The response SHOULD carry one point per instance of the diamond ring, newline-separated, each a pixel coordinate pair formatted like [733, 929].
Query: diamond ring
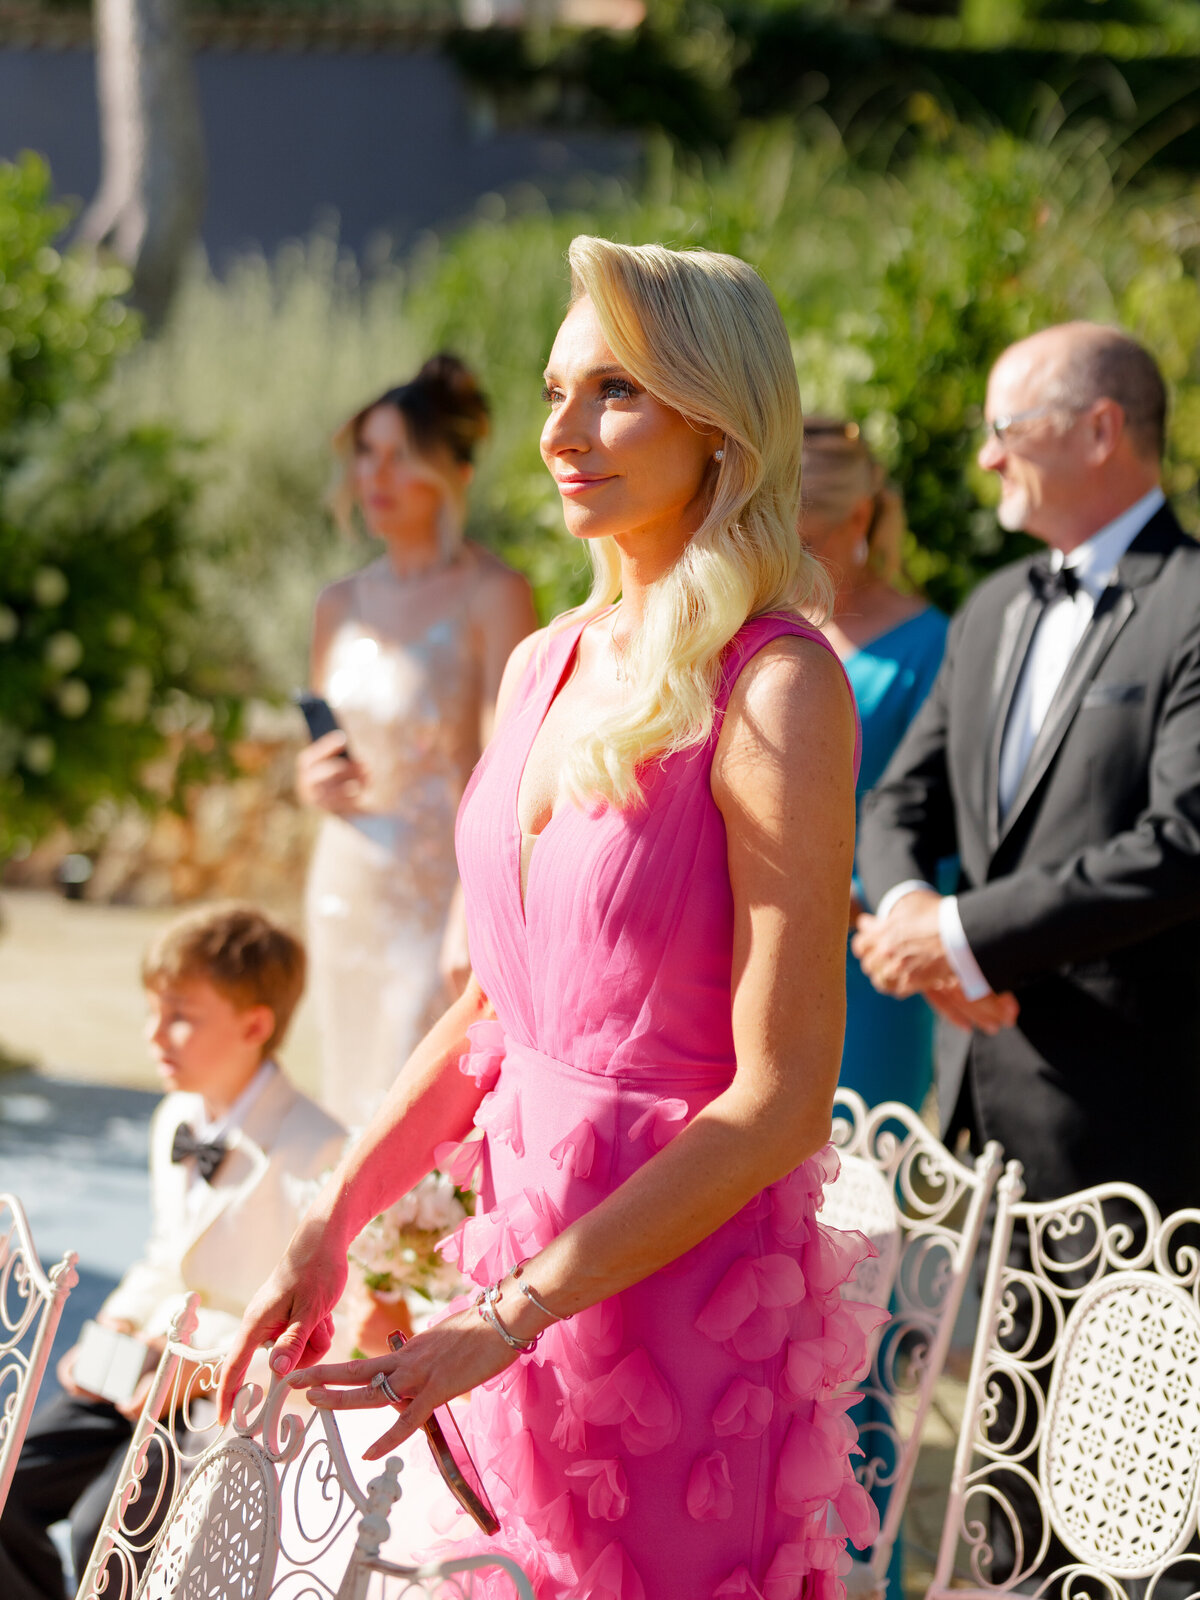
[382, 1382]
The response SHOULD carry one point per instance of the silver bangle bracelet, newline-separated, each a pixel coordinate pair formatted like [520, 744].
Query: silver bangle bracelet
[485, 1304]
[519, 1280]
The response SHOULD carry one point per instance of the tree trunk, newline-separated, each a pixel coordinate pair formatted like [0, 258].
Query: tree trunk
[151, 195]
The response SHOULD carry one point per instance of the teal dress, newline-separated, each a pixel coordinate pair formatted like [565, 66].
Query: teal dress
[888, 1053]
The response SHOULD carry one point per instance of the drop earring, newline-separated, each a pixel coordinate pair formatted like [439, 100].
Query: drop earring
[861, 551]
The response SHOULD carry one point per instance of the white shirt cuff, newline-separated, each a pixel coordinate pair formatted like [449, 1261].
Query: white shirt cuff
[909, 886]
[958, 952]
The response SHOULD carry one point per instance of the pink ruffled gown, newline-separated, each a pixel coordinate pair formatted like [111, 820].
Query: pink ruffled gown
[685, 1439]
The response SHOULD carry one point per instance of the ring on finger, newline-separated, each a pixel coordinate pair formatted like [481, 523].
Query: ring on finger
[383, 1383]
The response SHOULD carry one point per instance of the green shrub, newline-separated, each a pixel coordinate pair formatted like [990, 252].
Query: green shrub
[95, 603]
[900, 288]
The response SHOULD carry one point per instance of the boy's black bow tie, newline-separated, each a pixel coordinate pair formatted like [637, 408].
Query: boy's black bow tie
[1048, 585]
[208, 1156]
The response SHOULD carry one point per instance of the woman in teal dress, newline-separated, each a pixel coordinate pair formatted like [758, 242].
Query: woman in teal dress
[891, 645]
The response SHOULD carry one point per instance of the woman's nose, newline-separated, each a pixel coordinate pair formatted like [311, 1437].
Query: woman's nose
[565, 429]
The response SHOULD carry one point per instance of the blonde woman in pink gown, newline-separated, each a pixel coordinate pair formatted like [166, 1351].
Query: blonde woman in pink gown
[656, 852]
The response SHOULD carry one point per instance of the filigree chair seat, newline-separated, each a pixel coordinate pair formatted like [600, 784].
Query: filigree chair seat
[31, 1305]
[1078, 1466]
[1121, 1462]
[222, 1538]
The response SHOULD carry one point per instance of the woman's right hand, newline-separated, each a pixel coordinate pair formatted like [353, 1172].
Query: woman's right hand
[328, 778]
[293, 1311]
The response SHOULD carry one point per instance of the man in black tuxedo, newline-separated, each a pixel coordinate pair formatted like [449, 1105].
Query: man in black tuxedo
[1058, 756]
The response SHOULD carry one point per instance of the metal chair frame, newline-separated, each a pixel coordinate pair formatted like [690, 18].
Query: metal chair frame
[1083, 1405]
[231, 1506]
[31, 1307]
[939, 1210]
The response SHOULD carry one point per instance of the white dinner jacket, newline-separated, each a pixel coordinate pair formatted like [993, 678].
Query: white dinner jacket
[228, 1248]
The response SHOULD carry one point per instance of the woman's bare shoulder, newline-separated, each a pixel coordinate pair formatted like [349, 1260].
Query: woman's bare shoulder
[790, 700]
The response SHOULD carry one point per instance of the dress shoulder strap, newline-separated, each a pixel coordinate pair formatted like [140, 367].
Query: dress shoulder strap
[759, 632]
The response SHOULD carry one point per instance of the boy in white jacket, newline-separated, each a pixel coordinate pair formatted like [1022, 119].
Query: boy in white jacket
[234, 1148]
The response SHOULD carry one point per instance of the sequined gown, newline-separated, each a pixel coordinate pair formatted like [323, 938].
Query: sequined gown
[403, 676]
[684, 1439]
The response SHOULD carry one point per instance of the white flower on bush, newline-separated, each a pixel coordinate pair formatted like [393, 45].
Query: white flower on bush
[10, 624]
[74, 697]
[64, 651]
[38, 753]
[49, 586]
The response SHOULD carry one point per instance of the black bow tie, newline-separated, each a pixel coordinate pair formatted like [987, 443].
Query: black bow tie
[208, 1156]
[1048, 585]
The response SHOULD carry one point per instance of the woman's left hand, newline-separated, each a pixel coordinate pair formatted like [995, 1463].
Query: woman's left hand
[434, 1366]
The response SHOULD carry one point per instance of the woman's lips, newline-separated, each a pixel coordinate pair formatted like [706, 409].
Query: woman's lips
[581, 485]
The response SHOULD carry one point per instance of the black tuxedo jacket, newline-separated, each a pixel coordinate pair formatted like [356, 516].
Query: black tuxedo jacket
[1085, 901]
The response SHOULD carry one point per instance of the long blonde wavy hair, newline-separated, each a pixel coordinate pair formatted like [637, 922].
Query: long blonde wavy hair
[701, 332]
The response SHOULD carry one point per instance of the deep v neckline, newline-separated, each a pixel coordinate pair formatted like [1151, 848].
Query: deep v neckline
[524, 866]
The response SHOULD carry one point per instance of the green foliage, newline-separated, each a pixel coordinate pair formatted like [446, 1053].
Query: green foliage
[899, 288]
[94, 597]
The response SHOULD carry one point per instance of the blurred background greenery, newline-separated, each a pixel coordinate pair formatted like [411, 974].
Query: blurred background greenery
[920, 186]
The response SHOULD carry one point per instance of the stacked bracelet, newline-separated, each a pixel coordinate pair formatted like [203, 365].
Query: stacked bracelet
[533, 1299]
[485, 1304]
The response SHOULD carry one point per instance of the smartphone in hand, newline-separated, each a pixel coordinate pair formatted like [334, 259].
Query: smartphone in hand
[318, 714]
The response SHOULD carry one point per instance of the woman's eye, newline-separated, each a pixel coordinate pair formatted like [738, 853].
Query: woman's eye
[618, 389]
[551, 396]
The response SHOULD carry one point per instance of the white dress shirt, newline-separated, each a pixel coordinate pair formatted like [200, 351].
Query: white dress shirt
[230, 1122]
[1059, 631]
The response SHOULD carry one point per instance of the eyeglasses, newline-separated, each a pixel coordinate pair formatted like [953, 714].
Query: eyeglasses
[999, 427]
[458, 1470]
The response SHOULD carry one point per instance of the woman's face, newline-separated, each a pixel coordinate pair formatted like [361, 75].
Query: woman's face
[401, 492]
[626, 465]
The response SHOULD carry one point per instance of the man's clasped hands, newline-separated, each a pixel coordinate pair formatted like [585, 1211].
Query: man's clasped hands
[903, 954]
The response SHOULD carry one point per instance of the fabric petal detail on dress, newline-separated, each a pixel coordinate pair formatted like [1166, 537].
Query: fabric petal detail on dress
[575, 1151]
[486, 1055]
[459, 1159]
[744, 1410]
[490, 1243]
[597, 1332]
[859, 1514]
[660, 1124]
[634, 1397]
[710, 1489]
[832, 1255]
[612, 1576]
[811, 1469]
[570, 1431]
[748, 1308]
[499, 1115]
[805, 1570]
[739, 1585]
[608, 1492]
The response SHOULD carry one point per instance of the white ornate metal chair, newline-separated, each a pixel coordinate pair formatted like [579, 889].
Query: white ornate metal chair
[1078, 1467]
[263, 1510]
[31, 1305]
[924, 1212]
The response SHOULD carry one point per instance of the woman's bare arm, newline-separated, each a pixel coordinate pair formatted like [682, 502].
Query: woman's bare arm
[783, 779]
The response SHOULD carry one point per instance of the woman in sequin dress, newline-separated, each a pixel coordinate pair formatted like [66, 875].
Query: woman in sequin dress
[409, 653]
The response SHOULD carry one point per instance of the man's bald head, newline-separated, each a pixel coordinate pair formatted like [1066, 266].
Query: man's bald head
[1078, 363]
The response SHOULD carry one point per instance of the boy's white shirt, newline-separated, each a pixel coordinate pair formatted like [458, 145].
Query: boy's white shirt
[225, 1245]
[222, 1127]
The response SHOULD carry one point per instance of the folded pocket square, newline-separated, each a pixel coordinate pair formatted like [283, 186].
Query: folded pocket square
[1114, 694]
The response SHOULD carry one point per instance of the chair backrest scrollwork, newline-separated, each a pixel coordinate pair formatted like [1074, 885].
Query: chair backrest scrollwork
[900, 1173]
[1078, 1466]
[31, 1306]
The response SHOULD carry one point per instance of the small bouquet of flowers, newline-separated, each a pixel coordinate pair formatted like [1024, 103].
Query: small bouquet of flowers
[397, 1250]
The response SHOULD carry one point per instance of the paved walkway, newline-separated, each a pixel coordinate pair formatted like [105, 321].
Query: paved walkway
[75, 1154]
